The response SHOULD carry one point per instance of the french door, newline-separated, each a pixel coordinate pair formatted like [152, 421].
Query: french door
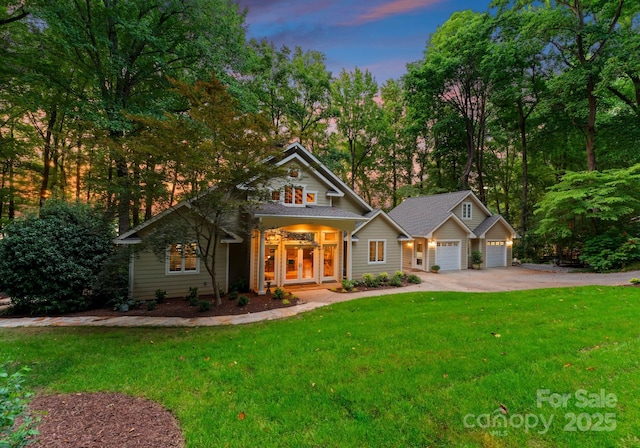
[299, 264]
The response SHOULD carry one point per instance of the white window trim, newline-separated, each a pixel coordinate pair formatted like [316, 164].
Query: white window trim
[167, 265]
[384, 250]
[315, 195]
[464, 207]
[304, 196]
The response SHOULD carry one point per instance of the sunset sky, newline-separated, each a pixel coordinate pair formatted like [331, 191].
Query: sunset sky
[379, 35]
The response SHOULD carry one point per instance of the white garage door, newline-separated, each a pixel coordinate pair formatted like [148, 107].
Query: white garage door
[496, 254]
[448, 255]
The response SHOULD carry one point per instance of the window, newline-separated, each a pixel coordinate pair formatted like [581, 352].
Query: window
[311, 197]
[182, 258]
[466, 210]
[275, 196]
[419, 254]
[377, 251]
[293, 195]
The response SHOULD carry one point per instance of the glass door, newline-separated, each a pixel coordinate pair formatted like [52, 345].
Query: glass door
[300, 264]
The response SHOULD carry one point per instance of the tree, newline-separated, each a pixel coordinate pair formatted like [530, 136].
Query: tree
[125, 50]
[452, 73]
[357, 117]
[580, 33]
[50, 263]
[222, 157]
[588, 204]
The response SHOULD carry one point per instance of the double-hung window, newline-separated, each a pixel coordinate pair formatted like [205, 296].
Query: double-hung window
[377, 249]
[183, 258]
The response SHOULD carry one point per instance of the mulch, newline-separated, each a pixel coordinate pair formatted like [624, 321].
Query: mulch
[179, 307]
[104, 420]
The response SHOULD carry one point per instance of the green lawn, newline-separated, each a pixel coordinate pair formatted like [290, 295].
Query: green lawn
[415, 369]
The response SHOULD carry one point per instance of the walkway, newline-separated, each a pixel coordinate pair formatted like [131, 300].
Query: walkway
[488, 280]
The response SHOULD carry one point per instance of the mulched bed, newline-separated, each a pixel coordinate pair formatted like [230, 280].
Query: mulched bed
[179, 307]
[104, 420]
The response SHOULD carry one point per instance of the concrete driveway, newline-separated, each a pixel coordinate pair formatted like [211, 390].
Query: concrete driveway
[486, 280]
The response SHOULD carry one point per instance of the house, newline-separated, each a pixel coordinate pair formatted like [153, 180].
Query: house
[314, 229]
[447, 228]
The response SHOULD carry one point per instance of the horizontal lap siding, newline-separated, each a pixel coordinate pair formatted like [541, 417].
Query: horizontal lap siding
[477, 215]
[379, 229]
[150, 275]
[452, 231]
[407, 258]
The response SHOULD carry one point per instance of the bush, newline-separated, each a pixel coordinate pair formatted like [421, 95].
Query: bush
[193, 297]
[278, 293]
[476, 257]
[370, 281]
[161, 295]
[152, 305]
[13, 405]
[399, 274]
[233, 295]
[634, 281]
[435, 268]
[240, 285]
[396, 281]
[347, 284]
[414, 279]
[51, 263]
[605, 252]
[383, 277]
[204, 305]
[243, 301]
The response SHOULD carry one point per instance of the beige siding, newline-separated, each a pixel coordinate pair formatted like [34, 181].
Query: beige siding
[150, 274]
[477, 214]
[308, 179]
[347, 203]
[450, 230]
[378, 229]
[407, 257]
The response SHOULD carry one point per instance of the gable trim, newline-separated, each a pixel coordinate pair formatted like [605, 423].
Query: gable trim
[458, 221]
[501, 219]
[295, 156]
[404, 235]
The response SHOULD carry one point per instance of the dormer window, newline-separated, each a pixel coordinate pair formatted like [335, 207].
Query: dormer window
[467, 210]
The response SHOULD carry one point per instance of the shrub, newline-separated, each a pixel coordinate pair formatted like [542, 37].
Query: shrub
[193, 297]
[634, 281]
[161, 295]
[476, 257]
[152, 305]
[278, 294]
[435, 268]
[204, 305]
[347, 284]
[240, 285]
[233, 295]
[370, 281]
[13, 405]
[413, 278]
[51, 263]
[604, 252]
[383, 277]
[285, 301]
[396, 281]
[243, 300]
[399, 274]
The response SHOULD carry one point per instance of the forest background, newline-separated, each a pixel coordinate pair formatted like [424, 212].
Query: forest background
[533, 105]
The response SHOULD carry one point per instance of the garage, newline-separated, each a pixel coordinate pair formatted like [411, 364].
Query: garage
[496, 254]
[448, 255]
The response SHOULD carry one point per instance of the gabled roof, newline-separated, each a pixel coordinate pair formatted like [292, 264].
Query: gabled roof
[424, 214]
[491, 221]
[403, 235]
[324, 172]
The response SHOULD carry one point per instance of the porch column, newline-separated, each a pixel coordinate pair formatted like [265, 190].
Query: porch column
[261, 290]
[349, 255]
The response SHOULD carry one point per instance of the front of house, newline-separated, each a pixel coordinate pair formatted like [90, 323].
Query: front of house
[313, 230]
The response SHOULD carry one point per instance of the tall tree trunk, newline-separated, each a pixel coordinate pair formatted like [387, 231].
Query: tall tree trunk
[524, 210]
[46, 157]
[591, 125]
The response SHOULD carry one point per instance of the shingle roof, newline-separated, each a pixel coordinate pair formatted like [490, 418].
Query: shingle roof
[423, 214]
[274, 209]
[486, 224]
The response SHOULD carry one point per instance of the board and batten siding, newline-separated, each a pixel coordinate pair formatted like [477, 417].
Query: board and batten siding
[150, 274]
[451, 231]
[378, 229]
